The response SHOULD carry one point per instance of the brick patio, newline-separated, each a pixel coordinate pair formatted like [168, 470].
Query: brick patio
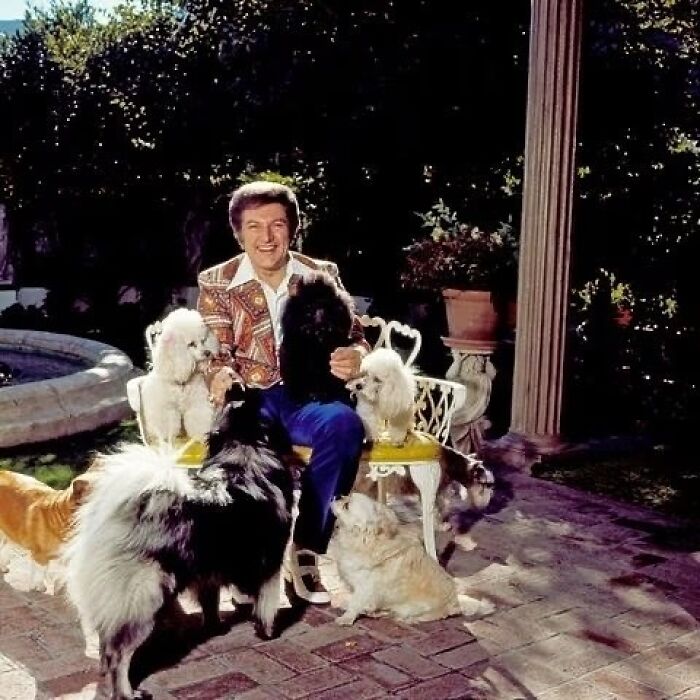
[593, 600]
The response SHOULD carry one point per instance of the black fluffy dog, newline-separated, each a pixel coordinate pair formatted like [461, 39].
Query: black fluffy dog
[316, 320]
[151, 529]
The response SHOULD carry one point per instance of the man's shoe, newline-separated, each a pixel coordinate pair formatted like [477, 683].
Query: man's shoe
[301, 569]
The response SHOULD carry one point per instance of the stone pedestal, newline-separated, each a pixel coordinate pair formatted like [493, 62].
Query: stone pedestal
[476, 372]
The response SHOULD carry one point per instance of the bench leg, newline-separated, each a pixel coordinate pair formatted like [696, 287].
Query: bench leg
[427, 478]
[381, 490]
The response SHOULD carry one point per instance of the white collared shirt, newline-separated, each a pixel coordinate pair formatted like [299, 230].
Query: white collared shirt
[275, 298]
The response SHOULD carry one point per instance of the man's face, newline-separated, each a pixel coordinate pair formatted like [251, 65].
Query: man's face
[265, 236]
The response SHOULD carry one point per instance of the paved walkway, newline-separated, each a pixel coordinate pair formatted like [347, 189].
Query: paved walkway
[593, 600]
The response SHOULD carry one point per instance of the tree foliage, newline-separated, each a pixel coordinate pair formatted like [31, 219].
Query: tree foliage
[124, 134]
[638, 213]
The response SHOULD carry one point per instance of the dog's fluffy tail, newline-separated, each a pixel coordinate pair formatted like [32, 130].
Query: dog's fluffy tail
[101, 546]
[473, 607]
[123, 477]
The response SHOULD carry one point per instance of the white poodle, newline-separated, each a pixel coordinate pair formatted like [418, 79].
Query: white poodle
[387, 569]
[385, 391]
[173, 395]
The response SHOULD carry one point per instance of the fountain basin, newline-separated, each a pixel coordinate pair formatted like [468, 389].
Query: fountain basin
[85, 399]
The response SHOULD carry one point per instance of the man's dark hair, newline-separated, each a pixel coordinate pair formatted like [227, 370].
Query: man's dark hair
[259, 193]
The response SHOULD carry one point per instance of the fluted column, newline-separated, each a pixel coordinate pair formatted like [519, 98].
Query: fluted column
[543, 283]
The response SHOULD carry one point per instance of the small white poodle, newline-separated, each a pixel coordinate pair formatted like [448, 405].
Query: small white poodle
[174, 395]
[387, 569]
[385, 391]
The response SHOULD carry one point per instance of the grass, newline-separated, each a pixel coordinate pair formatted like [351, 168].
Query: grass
[57, 462]
[664, 479]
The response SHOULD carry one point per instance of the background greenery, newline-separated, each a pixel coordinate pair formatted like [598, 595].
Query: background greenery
[661, 478]
[123, 136]
[57, 462]
[665, 479]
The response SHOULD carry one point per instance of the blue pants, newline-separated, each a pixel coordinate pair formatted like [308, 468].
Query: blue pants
[334, 432]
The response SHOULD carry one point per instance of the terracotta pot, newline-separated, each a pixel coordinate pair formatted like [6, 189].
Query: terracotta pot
[472, 320]
[623, 317]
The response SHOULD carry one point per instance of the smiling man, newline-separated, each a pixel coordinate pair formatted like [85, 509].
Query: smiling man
[242, 301]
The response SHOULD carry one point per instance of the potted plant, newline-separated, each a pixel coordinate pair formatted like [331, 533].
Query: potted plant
[473, 269]
[609, 296]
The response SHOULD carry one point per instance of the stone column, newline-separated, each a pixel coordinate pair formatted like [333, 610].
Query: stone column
[543, 284]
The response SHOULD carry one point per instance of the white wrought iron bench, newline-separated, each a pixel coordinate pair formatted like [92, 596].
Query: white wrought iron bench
[418, 457]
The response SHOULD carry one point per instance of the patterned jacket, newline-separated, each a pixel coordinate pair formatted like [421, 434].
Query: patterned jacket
[240, 318]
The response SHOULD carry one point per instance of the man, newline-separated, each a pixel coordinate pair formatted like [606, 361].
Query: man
[242, 301]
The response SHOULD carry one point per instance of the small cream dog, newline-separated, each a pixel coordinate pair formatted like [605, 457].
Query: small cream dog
[37, 518]
[173, 395]
[385, 391]
[388, 570]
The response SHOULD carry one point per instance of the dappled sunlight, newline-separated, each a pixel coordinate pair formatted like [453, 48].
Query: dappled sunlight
[17, 679]
[591, 598]
[583, 595]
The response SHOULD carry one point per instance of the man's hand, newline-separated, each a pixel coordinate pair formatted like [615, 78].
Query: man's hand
[221, 382]
[345, 362]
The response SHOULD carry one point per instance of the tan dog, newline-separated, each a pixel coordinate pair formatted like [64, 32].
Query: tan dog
[37, 518]
[388, 570]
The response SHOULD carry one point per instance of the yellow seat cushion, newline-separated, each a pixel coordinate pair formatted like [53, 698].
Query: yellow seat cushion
[194, 455]
[418, 447]
[302, 452]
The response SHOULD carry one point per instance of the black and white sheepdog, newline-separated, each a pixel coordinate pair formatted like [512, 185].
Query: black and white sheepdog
[151, 529]
[316, 320]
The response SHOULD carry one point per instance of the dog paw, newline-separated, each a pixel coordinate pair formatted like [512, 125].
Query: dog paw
[265, 632]
[214, 626]
[345, 620]
[141, 695]
[222, 381]
[474, 608]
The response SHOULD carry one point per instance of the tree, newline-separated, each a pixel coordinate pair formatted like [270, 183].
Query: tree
[125, 134]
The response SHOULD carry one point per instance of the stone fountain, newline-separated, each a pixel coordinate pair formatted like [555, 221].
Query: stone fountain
[80, 385]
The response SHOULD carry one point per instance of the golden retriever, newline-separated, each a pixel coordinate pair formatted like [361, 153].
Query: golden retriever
[37, 518]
